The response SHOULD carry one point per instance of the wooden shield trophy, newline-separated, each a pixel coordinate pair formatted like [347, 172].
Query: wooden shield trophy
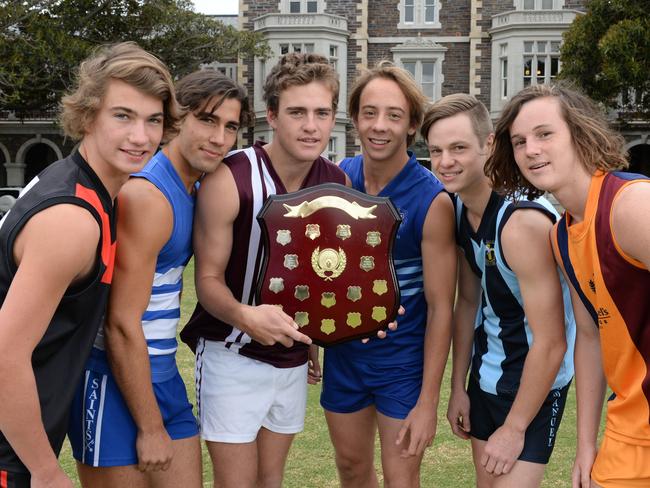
[328, 261]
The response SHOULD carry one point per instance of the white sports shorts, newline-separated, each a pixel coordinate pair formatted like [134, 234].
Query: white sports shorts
[236, 395]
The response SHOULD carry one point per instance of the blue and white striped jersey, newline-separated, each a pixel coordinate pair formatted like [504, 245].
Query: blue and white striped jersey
[160, 320]
[502, 336]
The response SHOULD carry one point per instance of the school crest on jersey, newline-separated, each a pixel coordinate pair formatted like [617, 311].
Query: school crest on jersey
[340, 251]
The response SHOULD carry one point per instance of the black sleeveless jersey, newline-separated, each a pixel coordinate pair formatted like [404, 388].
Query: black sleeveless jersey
[59, 357]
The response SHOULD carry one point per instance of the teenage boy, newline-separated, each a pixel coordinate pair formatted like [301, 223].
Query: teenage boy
[510, 309]
[132, 381]
[251, 365]
[393, 385]
[58, 245]
[552, 138]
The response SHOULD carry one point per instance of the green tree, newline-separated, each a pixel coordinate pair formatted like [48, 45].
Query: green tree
[606, 52]
[42, 41]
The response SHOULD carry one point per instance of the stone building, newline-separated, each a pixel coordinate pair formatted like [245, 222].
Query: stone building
[489, 48]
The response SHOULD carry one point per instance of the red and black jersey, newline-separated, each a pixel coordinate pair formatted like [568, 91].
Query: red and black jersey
[59, 357]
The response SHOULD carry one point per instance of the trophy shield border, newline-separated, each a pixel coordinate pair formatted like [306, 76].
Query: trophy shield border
[351, 195]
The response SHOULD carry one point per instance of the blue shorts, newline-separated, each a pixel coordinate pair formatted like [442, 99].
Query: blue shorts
[488, 412]
[102, 431]
[350, 386]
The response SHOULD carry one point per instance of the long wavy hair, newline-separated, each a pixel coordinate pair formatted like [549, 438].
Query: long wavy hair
[597, 145]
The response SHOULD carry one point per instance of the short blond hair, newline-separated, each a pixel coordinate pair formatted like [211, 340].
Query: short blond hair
[459, 103]
[125, 61]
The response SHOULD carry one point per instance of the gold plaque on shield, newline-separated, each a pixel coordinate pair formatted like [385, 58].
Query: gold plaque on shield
[328, 299]
[379, 287]
[379, 313]
[283, 237]
[328, 263]
[367, 263]
[291, 261]
[301, 292]
[276, 285]
[354, 293]
[312, 231]
[354, 319]
[327, 326]
[373, 238]
[301, 319]
[343, 231]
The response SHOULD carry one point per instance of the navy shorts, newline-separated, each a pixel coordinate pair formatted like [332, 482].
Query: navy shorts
[488, 412]
[102, 431]
[350, 386]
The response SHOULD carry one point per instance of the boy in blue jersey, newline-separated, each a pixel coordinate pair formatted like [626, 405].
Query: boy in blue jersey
[393, 385]
[131, 410]
[521, 366]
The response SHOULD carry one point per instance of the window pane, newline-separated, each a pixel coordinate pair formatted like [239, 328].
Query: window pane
[527, 70]
[504, 68]
[309, 48]
[429, 10]
[555, 66]
[528, 47]
[427, 72]
[541, 70]
[547, 4]
[284, 48]
[297, 48]
[410, 67]
[334, 51]
[427, 89]
[503, 49]
[541, 47]
[312, 7]
[294, 7]
[529, 4]
[555, 47]
[408, 14]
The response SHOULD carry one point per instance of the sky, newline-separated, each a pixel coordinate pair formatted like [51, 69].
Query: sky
[216, 7]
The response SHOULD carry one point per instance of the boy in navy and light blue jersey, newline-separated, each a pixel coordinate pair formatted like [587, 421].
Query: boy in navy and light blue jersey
[513, 307]
[132, 407]
[393, 385]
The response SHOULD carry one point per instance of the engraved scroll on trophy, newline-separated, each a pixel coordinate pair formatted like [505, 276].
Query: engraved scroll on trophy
[328, 261]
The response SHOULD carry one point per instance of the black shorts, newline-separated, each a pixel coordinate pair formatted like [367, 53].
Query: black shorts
[14, 480]
[488, 412]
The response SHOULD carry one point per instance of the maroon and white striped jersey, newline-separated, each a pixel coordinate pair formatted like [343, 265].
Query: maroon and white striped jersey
[256, 180]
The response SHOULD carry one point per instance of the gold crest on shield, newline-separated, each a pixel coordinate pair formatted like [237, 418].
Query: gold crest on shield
[354, 319]
[301, 292]
[328, 299]
[379, 287]
[373, 238]
[283, 237]
[276, 285]
[327, 326]
[343, 231]
[312, 231]
[354, 293]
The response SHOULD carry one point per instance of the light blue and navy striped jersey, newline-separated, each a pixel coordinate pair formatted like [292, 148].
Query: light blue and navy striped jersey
[160, 320]
[502, 335]
[411, 191]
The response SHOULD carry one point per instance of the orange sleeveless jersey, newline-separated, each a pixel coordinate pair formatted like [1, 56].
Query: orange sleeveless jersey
[615, 289]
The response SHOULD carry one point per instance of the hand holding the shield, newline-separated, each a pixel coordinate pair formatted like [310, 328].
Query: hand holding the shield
[269, 325]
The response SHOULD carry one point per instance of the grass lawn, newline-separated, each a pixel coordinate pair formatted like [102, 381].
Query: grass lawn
[447, 464]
